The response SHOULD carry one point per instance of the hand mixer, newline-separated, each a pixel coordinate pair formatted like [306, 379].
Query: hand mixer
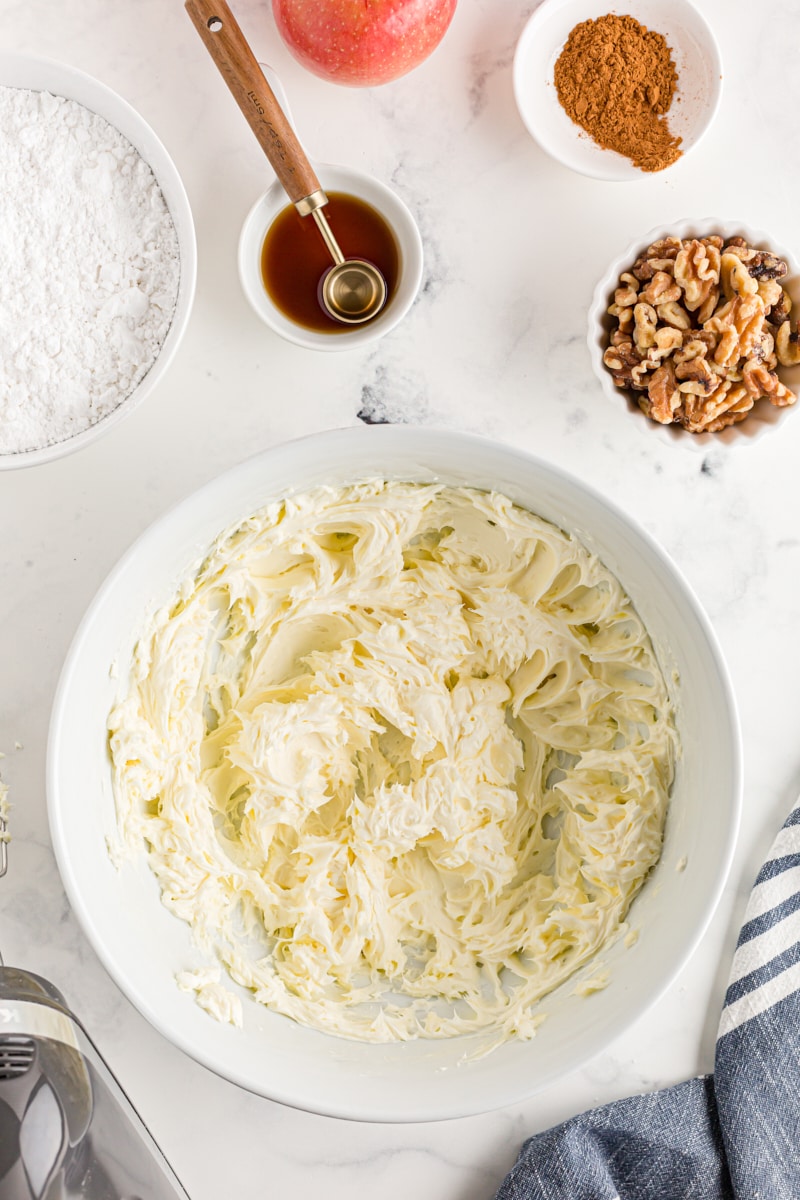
[67, 1129]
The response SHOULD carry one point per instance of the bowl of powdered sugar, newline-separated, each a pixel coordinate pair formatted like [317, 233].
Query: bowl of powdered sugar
[97, 259]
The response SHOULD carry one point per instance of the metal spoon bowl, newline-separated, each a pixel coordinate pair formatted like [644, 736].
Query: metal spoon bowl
[354, 290]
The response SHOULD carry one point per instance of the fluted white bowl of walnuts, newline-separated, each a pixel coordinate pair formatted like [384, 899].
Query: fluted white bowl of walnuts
[693, 333]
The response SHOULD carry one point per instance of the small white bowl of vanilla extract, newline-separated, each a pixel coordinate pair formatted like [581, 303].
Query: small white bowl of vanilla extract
[282, 258]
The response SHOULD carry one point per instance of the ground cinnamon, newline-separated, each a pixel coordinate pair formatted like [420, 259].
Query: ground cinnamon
[616, 79]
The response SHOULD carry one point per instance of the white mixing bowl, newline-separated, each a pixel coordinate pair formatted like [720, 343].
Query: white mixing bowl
[142, 945]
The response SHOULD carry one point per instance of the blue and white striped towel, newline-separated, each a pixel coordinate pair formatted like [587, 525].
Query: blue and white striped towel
[733, 1135]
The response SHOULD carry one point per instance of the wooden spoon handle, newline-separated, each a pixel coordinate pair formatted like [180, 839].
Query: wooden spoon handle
[237, 64]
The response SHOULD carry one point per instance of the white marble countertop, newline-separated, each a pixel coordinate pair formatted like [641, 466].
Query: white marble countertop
[509, 361]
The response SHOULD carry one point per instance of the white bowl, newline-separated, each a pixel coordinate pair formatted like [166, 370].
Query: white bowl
[764, 416]
[142, 945]
[409, 243]
[697, 60]
[47, 75]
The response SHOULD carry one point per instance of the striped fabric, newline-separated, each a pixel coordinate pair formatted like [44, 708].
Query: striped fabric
[731, 1136]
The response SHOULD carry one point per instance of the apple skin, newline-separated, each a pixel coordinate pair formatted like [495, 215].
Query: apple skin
[362, 43]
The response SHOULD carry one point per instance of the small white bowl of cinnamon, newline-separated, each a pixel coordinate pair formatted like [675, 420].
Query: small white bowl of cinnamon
[621, 95]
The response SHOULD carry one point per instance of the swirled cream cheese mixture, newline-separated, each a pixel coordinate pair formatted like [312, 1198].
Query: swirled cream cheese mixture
[400, 754]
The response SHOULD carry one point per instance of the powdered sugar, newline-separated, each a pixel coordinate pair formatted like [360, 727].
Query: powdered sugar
[89, 269]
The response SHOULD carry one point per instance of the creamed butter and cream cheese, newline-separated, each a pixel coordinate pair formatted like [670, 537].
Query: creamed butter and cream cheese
[400, 754]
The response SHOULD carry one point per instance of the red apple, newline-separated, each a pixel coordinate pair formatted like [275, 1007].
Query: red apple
[362, 42]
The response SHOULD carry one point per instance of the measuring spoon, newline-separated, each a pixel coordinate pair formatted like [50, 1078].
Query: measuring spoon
[353, 290]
